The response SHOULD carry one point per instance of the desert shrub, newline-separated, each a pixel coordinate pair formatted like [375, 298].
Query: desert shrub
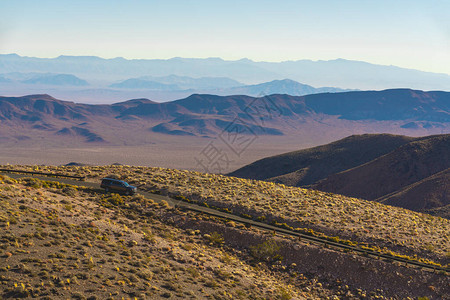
[164, 204]
[17, 292]
[261, 218]
[215, 238]
[211, 283]
[32, 182]
[146, 274]
[194, 273]
[181, 197]
[78, 295]
[246, 216]
[115, 199]
[69, 191]
[138, 198]
[268, 251]
[285, 294]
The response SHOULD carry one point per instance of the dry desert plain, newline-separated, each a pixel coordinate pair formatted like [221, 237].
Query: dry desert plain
[179, 152]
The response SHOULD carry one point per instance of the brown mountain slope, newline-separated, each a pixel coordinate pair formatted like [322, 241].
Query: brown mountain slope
[435, 189]
[269, 115]
[307, 166]
[392, 172]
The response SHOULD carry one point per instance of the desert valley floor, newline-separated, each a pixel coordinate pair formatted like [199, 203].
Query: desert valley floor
[180, 152]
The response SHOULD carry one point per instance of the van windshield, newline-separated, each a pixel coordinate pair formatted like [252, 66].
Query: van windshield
[125, 183]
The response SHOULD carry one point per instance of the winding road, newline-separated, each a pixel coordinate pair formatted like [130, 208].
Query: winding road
[213, 212]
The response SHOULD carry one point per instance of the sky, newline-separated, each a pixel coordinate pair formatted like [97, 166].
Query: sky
[411, 34]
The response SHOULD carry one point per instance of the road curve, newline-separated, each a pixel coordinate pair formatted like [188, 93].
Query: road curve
[235, 218]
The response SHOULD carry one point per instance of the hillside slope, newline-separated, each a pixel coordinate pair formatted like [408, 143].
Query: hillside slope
[425, 195]
[304, 167]
[392, 172]
[63, 241]
[362, 221]
[396, 170]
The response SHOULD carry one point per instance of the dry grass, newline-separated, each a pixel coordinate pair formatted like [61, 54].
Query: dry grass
[363, 221]
[60, 242]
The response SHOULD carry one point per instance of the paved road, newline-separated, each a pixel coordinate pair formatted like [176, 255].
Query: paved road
[260, 225]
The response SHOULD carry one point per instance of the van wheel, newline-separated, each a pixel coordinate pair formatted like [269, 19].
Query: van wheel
[127, 193]
[107, 190]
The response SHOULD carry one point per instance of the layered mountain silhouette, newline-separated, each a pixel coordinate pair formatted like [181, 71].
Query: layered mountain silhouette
[397, 170]
[160, 87]
[137, 83]
[398, 104]
[222, 86]
[56, 79]
[285, 86]
[339, 72]
[175, 82]
[209, 115]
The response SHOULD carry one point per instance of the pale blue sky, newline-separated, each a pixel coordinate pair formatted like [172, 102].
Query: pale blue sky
[412, 34]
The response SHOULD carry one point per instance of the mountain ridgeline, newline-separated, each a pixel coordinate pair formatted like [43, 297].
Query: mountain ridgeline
[222, 86]
[402, 171]
[209, 115]
[351, 74]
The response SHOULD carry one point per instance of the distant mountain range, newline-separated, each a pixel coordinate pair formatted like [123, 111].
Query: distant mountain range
[177, 83]
[44, 79]
[211, 115]
[168, 86]
[286, 86]
[337, 73]
[222, 86]
[141, 84]
[57, 79]
[397, 170]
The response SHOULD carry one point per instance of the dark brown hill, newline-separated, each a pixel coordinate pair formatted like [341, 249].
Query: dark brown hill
[414, 176]
[304, 167]
[435, 190]
[273, 115]
[394, 104]
[320, 117]
[406, 165]
[402, 171]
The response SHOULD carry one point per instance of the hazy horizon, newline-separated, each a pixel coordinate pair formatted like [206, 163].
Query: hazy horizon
[408, 34]
[220, 58]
